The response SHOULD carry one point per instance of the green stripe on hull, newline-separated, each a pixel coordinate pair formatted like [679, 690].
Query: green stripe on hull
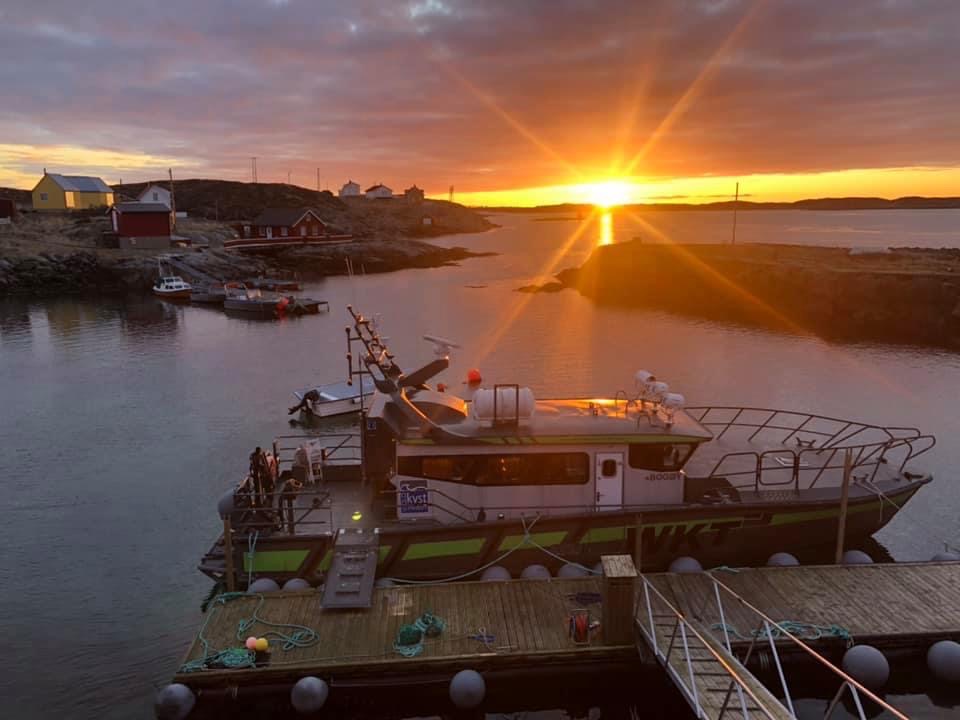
[384, 551]
[546, 539]
[443, 548]
[274, 560]
[809, 515]
[607, 534]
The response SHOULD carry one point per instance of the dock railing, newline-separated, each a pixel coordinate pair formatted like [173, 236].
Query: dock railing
[819, 444]
[773, 633]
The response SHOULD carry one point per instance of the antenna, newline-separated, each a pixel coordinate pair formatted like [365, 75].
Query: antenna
[451, 193]
[318, 179]
[253, 168]
[288, 177]
[736, 201]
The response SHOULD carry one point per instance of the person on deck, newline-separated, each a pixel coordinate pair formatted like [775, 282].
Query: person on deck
[289, 487]
[309, 397]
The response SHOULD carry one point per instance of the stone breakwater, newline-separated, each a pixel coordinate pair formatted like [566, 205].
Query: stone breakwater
[900, 295]
[105, 271]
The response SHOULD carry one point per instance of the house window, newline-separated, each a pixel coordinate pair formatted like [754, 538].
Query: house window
[303, 231]
[43, 197]
[501, 470]
[261, 232]
[246, 231]
[283, 231]
[156, 196]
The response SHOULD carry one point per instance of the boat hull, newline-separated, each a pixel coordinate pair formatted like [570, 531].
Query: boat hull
[172, 294]
[726, 534]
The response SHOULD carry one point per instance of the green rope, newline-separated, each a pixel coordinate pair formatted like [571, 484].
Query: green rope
[409, 642]
[800, 630]
[234, 658]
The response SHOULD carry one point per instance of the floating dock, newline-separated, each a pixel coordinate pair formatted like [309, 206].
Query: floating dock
[699, 628]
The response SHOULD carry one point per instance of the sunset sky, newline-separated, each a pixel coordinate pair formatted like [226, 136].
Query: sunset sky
[515, 102]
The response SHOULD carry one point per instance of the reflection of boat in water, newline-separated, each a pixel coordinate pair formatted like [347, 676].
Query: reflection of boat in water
[172, 287]
[498, 477]
[212, 293]
[240, 298]
[332, 399]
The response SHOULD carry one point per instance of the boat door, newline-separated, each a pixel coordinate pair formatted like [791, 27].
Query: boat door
[609, 477]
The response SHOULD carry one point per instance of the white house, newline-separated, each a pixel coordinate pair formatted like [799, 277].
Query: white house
[379, 192]
[350, 189]
[155, 194]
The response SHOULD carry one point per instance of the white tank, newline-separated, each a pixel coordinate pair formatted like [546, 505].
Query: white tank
[506, 400]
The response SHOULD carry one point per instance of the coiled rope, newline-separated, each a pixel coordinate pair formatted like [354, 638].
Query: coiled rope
[800, 630]
[239, 657]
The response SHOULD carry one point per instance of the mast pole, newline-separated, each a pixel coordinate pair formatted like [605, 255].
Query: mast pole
[736, 202]
[173, 202]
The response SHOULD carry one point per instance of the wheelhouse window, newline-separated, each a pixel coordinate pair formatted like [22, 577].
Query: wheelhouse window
[664, 457]
[500, 470]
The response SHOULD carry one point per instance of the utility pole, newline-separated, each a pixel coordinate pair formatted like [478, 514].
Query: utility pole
[736, 201]
[318, 179]
[173, 202]
[451, 193]
[288, 177]
[253, 168]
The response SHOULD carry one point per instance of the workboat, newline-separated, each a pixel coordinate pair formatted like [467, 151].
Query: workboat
[172, 287]
[340, 398]
[445, 485]
[241, 298]
[211, 293]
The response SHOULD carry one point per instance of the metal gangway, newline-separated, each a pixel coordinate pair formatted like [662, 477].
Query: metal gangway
[713, 680]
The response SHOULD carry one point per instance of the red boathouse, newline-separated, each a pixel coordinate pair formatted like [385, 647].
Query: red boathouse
[141, 225]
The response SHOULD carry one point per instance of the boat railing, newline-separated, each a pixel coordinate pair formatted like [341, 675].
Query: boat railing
[335, 447]
[819, 448]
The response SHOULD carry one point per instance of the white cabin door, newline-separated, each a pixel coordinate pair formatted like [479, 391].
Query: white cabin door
[609, 476]
[269, 232]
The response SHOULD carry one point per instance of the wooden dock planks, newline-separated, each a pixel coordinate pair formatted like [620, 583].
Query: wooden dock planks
[890, 605]
[527, 619]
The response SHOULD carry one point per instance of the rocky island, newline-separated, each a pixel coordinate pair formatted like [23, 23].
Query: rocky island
[897, 295]
[52, 253]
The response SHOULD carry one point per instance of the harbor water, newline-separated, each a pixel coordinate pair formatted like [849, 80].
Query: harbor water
[124, 419]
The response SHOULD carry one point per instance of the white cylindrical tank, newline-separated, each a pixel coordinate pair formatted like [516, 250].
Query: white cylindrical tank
[506, 402]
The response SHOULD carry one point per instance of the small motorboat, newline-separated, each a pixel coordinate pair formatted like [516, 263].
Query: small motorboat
[340, 398]
[240, 298]
[273, 284]
[211, 293]
[172, 287]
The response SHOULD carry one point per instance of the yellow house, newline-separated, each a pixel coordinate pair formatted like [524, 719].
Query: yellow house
[71, 192]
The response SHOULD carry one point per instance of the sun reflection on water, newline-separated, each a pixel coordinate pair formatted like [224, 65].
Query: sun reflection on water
[606, 229]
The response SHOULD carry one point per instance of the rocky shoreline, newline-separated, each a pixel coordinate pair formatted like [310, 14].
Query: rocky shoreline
[901, 295]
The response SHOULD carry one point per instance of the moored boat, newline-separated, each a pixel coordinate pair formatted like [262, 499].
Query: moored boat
[172, 287]
[449, 485]
[240, 298]
[332, 399]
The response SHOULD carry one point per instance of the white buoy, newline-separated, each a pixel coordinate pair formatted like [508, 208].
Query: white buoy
[945, 556]
[535, 572]
[309, 695]
[384, 583]
[943, 660]
[856, 557]
[572, 570]
[686, 564]
[174, 702]
[867, 665]
[225, 505]
[782, 559]
[296, 584]
[263, 585]
[467, 689]
[495, 573]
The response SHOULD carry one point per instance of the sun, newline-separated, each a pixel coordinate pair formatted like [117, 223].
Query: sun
[608, 193]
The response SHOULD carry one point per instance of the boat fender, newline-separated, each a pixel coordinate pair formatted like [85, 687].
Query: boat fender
[467, 689]
[495, 573]
[943, 659]
[226, 504]
[263, 585]
[535, 572]
[296, 584]
[867, 665]
[856, 557]
[174, 702]
[309, 695]
[572, 570]
[782, 559]
[686, 564]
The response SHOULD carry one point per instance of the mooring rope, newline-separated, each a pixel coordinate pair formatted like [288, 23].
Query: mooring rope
[801, 630]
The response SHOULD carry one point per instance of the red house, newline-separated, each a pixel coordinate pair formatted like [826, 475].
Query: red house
[141, 225]
[8, 209]
[284, 227]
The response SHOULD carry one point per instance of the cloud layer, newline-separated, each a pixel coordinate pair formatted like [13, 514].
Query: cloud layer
[484, 95]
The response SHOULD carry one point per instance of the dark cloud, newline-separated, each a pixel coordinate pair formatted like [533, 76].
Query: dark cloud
[487, 94]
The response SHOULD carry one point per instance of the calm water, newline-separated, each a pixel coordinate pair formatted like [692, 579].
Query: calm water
[123, 421]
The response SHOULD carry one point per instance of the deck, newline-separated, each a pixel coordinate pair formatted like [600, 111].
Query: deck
[901, 605]
[527, 620]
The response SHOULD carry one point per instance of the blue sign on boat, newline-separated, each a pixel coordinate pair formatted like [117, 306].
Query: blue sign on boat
[413, 499]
